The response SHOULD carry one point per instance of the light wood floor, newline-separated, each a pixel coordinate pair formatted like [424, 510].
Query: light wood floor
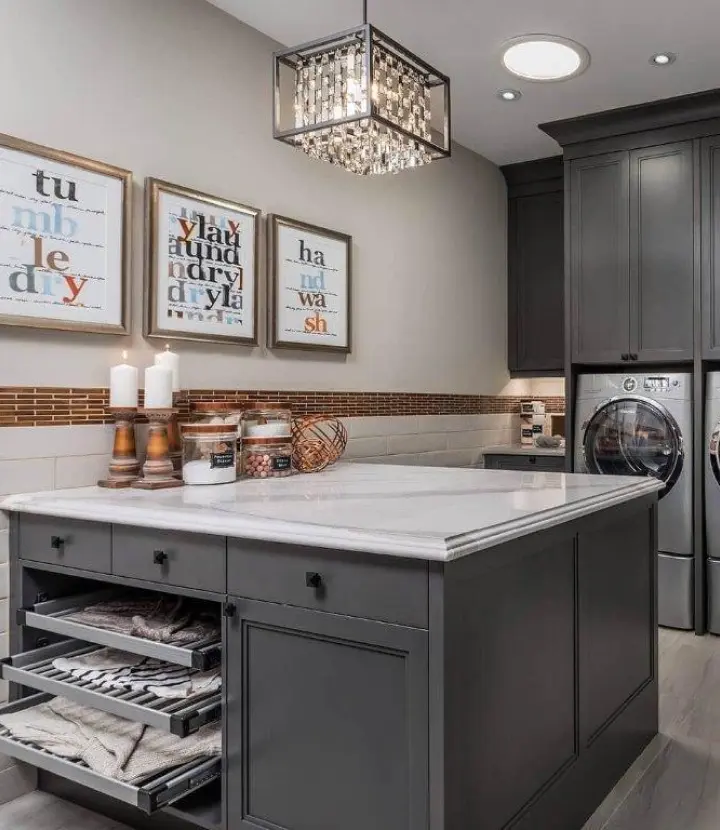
[674, 785]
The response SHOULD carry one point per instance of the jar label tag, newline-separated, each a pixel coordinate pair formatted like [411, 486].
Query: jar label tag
[221, 460]
[281, 462]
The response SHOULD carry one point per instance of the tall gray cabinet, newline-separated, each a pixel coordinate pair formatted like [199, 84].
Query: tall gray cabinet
[631, 254]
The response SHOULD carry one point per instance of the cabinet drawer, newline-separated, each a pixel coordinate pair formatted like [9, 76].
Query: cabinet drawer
[377, 588]
[148, 794]
[66, 542]
[546, 463]
[186, 560]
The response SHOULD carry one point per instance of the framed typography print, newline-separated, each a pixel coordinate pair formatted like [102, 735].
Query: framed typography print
[64, 240]
[310, 286]
[201, 266]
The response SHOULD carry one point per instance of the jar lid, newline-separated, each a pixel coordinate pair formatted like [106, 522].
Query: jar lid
[267, 405]
[208, 429]
[283, 441]
[218, 406]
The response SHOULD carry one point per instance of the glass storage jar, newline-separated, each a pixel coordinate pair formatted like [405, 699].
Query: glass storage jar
[209, 453]
[267, 457]
[221, 412]
[262, 419]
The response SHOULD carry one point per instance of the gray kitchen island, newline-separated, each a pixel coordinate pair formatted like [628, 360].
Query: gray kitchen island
[401, 648]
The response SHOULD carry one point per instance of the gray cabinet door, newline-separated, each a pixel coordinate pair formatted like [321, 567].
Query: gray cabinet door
[662, 252]
[536, 283]
[599, 258]
[327, 721]
[710, 176]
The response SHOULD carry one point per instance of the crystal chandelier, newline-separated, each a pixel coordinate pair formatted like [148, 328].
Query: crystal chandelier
[360, 100]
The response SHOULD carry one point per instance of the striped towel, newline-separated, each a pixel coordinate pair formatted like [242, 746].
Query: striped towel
[113, 669]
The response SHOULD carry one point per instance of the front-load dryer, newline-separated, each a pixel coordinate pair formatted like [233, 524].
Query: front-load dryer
[712, 498]
[641, 425]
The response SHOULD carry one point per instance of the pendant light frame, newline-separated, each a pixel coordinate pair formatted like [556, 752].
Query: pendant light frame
[366, 38]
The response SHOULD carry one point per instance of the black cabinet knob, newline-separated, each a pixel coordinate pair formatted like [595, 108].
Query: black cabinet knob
[159, 557]
[57, 543]
[633, 356]
[313, 580]
[532, 459]
[625, 356]
[230, 609]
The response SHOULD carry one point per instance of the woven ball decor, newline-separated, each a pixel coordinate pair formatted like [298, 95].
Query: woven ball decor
[318, 442]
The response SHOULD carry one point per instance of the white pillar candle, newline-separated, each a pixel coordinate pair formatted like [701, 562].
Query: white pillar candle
[124, 385]
[158, 388]
[170, 360]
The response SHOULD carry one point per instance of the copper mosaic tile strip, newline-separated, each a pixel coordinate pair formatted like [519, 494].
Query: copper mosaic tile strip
[57, 406]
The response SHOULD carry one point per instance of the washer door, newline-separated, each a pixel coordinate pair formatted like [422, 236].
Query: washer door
[714, 450]
[633, 436]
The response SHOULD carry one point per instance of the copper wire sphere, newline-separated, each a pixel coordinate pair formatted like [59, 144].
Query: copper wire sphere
[318, 442]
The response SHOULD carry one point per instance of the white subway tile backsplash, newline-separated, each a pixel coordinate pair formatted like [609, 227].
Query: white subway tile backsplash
[374, 427]
[450, 458]
[26, 476]
[4, 645]
[47, 442]
[4, 546]
[80, 471]
[4, 615]
[4, 520]
[4, 581]
[467, 440]
[410, 459]
[422, 442]
[449, 423]
[364, 447]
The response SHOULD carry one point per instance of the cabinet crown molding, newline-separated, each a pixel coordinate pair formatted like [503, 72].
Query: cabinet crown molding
[667, 112]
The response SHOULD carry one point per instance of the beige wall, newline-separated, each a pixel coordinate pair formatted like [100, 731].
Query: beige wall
[179, 90]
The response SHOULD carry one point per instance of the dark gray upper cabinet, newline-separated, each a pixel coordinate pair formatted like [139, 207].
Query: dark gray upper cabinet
[710, 167]
[599, 258]
[662, 252]
[327, 721]
[632, 255]
[535, 267]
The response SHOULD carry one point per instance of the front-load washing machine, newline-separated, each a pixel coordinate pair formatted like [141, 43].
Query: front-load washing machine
[641, 425]
[712, 498]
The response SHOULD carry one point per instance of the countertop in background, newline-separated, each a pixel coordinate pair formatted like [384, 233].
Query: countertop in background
[523, 449]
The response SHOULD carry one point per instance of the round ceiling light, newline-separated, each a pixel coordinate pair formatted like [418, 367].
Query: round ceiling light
[509, 94]
[663, 58]
[544, 57]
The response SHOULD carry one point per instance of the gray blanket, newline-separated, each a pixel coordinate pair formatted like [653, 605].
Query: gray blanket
[112, 746]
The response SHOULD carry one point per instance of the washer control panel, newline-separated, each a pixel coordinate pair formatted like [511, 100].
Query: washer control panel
[656, 383]
[629, 384]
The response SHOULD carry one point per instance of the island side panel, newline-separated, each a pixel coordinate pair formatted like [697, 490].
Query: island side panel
[529, 743]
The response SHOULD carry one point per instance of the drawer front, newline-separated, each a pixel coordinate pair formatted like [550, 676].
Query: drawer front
[525, 462]
[186, 560]
[66, 542]
[376, 588]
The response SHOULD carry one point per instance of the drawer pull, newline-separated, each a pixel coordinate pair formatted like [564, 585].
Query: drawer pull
[532, 459]
[57, 543]
[160, 557]
[313, 580]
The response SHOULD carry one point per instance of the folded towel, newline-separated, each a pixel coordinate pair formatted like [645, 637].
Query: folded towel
[113, 669]
[112, 746]
[162, 619]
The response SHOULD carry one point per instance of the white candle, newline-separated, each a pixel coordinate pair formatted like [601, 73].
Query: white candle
[124, 385]
[158, 388]
[170, 360]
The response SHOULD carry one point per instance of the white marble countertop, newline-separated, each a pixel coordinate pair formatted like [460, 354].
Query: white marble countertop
[422, 512]
[523, 449]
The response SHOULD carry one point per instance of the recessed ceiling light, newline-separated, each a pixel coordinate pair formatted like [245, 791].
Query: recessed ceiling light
[509, 94]
[663, 58]
[544, 57]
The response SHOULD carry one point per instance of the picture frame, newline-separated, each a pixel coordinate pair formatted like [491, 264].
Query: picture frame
[65, 240]
[324, 291]
[203, 279]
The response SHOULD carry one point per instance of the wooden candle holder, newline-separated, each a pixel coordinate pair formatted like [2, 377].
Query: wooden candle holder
[174, 439]
[157, 471]
[124, 467]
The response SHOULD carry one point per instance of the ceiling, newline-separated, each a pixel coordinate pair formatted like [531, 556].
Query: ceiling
[462, 38]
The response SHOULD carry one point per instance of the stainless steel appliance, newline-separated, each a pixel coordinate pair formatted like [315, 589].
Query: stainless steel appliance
[641, 425]
[712, 498]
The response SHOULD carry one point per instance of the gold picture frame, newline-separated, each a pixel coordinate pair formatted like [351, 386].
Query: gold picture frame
[191, 316]
[55, 265]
